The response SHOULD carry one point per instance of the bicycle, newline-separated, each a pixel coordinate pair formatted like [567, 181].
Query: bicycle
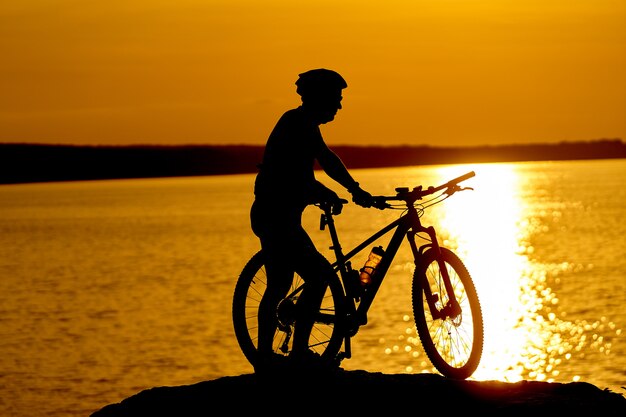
[446, 307]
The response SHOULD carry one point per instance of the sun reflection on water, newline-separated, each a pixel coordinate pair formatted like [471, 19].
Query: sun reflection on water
[527, 336]
[483, 227]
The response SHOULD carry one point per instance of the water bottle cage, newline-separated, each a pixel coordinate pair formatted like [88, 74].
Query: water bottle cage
[353, 285]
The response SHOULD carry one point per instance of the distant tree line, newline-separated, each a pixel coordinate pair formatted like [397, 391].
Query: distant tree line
[21, 163]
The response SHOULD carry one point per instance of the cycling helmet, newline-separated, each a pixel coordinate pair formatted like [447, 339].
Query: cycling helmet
[319, 80]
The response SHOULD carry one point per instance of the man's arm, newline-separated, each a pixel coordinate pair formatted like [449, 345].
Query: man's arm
[335, 168]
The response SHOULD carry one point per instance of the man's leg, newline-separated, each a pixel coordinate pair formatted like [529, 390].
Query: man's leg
[279, 278]
[315, 272]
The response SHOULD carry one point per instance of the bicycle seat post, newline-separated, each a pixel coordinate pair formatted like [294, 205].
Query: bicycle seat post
[328, 220]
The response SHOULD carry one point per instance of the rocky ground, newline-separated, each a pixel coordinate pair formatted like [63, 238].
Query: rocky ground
[362, 391]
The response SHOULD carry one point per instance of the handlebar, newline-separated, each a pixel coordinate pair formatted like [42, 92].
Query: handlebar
[403, 193]
[452, 183]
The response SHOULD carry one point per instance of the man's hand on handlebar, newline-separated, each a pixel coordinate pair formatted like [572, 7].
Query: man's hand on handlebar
[362, 197]
[380, 203]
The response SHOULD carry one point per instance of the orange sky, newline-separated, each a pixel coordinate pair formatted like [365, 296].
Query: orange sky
[437, 72]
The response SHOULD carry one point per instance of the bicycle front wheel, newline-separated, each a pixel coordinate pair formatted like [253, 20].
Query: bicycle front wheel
[452, 336]
[327, 334]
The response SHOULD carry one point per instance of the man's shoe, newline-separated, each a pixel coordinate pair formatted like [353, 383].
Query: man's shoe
[310, 361]
[269, 363]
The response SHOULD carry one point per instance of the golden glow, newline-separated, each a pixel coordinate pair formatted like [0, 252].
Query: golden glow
[440, 72]
[487, 237]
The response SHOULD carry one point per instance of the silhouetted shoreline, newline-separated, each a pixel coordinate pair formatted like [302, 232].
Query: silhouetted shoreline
[367, 392]
[24, 163]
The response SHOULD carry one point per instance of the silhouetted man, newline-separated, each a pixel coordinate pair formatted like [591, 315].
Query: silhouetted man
[284, 186]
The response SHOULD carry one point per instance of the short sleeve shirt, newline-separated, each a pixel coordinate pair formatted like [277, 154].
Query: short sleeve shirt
[289, 158]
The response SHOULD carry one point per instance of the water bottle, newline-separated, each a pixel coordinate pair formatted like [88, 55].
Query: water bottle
[371, 264]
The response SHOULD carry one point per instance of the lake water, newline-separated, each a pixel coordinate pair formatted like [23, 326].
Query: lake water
[111, 287]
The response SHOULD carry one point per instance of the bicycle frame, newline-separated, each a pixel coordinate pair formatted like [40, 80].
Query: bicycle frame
[408, 225]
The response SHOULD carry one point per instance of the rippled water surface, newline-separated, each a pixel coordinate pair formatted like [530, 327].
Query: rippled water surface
[111, 287]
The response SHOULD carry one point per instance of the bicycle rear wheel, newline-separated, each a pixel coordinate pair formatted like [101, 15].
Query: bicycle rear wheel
[327, 334]
[452, 339]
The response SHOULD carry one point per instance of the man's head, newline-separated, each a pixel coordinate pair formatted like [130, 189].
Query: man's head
[320, 90]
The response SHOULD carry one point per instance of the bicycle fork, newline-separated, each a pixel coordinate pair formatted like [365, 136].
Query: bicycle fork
[451, 309]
